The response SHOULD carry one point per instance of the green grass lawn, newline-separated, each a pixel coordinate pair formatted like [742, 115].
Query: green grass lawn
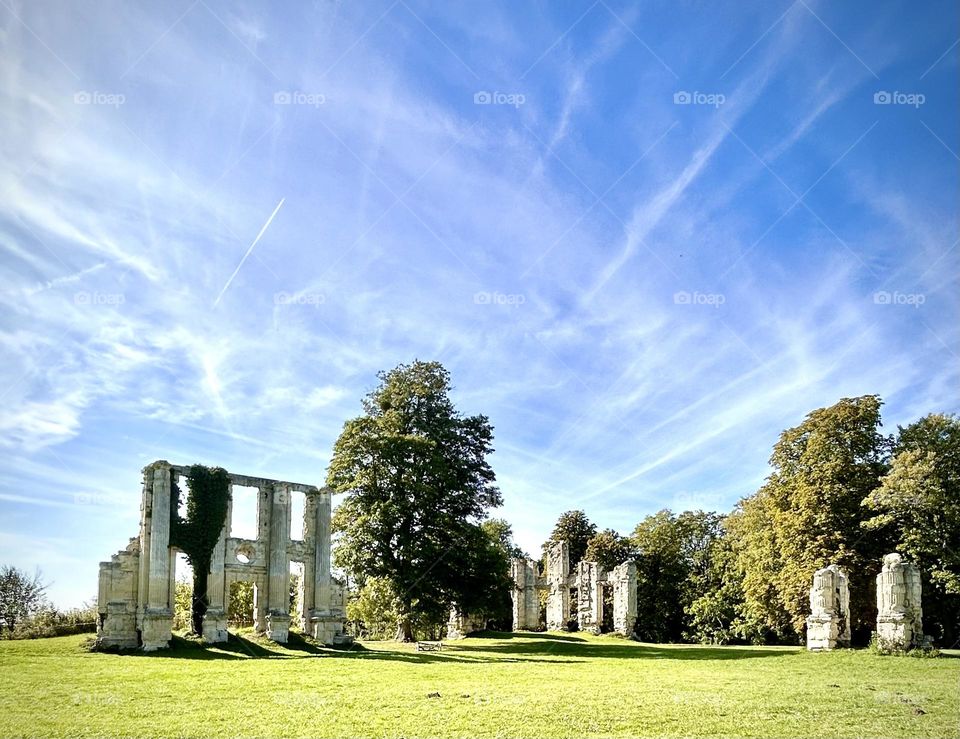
[510, 685]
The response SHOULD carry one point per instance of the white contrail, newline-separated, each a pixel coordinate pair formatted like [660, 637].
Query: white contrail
[265, 227]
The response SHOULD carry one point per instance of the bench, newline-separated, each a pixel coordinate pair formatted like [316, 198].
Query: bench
[429, 646]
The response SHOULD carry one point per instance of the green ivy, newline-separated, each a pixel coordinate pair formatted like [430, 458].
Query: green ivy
[197, 534]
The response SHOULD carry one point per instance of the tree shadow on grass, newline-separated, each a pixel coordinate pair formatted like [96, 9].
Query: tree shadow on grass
[486, 647]
[535, 643]
[238, 647]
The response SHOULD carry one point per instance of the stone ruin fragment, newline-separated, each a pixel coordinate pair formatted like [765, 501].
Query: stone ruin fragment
[587, 608]
[899, 615]
[136, 590]
[828, 625]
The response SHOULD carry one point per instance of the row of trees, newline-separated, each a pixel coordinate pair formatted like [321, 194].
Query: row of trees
[840, 492]
[414, 537]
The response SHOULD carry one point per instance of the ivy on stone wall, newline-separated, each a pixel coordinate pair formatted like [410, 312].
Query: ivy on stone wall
[197, 534]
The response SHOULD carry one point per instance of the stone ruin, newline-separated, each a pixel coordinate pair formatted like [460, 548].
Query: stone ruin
[587, 608]
[828, 625]
[899, 615]
[137, 587]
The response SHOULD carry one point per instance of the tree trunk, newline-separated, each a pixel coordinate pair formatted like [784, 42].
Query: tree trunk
[404, 630]
[199, 599]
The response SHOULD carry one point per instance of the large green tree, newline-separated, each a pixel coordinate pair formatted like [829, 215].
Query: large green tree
[574, 528]
[673, 555]
[917, 506]
[608, 549]
[808, 514]
[500, 533]
[417, 484]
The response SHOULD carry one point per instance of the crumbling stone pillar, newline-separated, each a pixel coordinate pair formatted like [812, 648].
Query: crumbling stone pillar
[558, 596]
[899, 613]
[117, 598]
[326, 613]
[589, 597]
[828, 625]
[526, 606]
[155, 617]
[278, 569]
[624, 580]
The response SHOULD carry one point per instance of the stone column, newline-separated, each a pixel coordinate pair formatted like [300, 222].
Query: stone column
[278, 566]
[518, 571]
[157, 618]
[828, 625]
[558, 598]
[526, 607]
[326, 618]
[589, 597]
[899, 613]
[309, 561]
[624, 579]
[323, 565]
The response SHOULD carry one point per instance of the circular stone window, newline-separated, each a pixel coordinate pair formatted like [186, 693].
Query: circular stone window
[245, 554]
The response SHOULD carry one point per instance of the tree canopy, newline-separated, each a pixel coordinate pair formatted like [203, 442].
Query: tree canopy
[417, 484]
[574, 528]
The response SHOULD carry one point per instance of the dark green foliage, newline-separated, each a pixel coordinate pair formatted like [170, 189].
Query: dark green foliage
[417, 483]
[608, 549]
[917, 505]
[574, 528]
[197, 533]
[674, 568]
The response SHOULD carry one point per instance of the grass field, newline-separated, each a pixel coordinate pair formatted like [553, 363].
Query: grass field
[511, 685]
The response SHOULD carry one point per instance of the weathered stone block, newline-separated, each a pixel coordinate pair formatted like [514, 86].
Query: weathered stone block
[899, 613]
[623, 577]
[155, 629]
[215, 626]
[828, 625]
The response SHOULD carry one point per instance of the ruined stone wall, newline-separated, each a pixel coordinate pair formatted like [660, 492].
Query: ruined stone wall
[589, 581]
[136, 588]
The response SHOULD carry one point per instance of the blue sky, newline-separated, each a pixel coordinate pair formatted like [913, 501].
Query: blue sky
[643, 237]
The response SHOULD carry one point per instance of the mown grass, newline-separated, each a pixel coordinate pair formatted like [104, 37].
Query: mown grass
[511, 685]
